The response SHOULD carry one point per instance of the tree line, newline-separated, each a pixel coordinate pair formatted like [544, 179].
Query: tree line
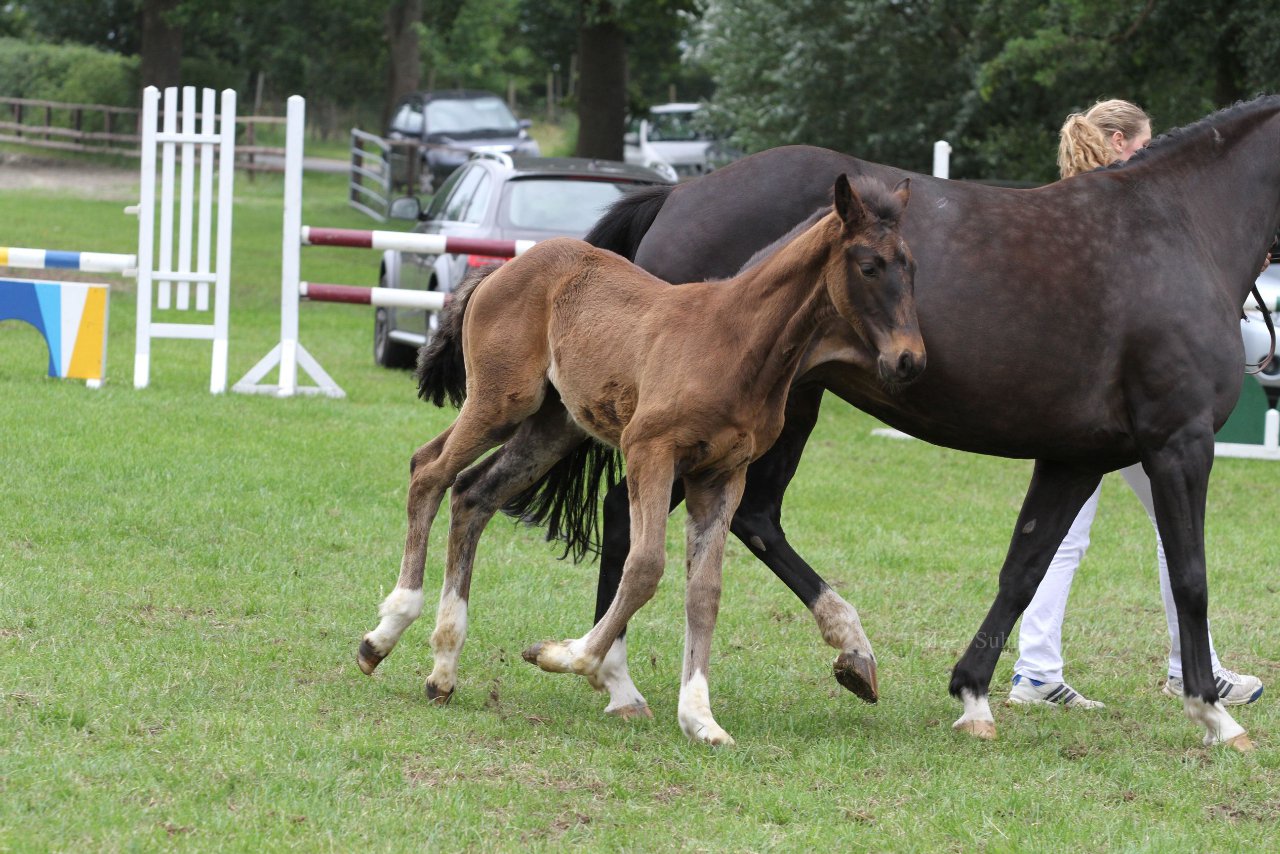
[881, 79]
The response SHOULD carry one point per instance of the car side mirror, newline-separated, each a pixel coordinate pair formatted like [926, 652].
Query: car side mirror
[405, 207]
[631, 138]
[525, 124]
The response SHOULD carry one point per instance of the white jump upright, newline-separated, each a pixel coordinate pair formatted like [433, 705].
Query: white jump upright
[289, 354]
[156, 276]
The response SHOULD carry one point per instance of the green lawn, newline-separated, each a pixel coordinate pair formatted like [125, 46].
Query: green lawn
[184, 580]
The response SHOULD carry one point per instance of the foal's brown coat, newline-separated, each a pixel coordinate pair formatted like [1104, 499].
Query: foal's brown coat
[688, 382]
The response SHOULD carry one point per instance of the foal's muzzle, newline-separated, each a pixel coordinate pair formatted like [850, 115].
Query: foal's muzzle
[901, 368]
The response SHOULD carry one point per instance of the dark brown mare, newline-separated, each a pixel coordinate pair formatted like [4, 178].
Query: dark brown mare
[570, 341]
[1087, 325]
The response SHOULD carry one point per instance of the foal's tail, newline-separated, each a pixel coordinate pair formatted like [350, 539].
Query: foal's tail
[624, 225]
[442, 373]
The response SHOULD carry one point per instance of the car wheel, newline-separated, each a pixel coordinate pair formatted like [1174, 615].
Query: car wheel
[386, 352]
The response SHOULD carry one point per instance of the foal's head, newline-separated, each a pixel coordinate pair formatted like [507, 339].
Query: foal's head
[870, 275]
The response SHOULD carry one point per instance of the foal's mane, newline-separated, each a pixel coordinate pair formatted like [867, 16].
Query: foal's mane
[879, 200]
[1175, 138]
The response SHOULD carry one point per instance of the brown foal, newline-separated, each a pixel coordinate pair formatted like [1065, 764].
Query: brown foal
[569, 341]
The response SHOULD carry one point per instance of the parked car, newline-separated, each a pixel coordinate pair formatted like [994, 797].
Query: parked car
[493, 196]
[456, 124]
[673, 139]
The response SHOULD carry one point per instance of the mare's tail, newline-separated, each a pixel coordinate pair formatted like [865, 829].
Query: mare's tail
[567, 498]
[442, 373]
[627, 221]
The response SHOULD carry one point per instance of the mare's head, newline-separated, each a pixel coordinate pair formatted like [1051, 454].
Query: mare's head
[870, 275]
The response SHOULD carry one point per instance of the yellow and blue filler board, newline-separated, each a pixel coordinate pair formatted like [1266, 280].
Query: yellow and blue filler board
[72, 317]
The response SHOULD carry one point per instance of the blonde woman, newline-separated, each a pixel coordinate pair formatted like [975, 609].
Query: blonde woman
[1110, 131]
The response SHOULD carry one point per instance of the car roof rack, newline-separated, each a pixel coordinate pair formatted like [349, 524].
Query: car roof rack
[501, 157]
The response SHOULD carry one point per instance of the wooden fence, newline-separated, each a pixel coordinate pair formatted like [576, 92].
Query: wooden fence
[102, 129]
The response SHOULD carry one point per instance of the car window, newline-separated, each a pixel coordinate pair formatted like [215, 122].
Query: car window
[675, 127]
[479, 203]
[455, 208]
[408, 119]
[436, 209]
[566, 205]
[470, 115]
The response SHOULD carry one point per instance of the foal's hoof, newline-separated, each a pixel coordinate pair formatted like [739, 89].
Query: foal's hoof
[857, 673]
[630, 712]
[438, 696]
[367, 657]
[551, 656]
[1241, 743]
[985, 730]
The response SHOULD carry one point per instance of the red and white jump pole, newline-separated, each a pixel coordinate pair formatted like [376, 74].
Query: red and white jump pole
[289, 354]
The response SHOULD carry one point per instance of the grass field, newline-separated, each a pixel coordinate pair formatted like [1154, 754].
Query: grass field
[184, 580]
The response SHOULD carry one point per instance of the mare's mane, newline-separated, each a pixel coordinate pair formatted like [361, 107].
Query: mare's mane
[1175, 138]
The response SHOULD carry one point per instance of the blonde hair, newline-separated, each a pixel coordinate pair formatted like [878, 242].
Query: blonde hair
[1084, 141]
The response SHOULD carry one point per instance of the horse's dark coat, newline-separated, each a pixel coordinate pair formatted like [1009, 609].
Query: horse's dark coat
[1088, 324]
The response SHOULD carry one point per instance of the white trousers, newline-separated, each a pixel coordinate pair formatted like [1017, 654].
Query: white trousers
[1040, 637]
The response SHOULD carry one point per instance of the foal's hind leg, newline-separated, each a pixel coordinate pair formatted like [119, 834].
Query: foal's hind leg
[1055, 496]
[711, 502]
[478, 494]
[650, 471]
[480, 425]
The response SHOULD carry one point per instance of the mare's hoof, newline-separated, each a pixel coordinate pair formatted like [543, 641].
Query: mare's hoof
[632, 711]
[438, 697]
[985, 730]
[1241, 743]
[367, 657]
[857, 673]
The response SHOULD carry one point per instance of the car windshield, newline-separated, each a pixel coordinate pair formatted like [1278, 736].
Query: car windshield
[565, 205]
[675, 127]
[470, 116]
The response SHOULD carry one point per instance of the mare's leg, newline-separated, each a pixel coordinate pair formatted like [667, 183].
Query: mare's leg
[1179, 472]
[711, 503]
[650, 472]
[481, 424]
[477, 495]
[1054, 499]
[758, 524]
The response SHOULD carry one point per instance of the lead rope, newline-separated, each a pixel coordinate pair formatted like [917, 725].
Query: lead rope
[1266, 315]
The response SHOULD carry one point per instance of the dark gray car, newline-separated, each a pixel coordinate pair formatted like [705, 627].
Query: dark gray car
[492, 196]
[454, 124]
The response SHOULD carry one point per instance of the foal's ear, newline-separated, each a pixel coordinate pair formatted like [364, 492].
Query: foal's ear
[849, 206]
[903, 191]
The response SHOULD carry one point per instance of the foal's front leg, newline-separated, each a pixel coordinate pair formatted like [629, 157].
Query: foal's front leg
[710, 502]
[650, 471]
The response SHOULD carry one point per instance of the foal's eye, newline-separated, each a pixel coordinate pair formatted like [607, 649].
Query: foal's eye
[869, 270]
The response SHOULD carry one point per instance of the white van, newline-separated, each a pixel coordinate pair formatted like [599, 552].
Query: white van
[671, 140]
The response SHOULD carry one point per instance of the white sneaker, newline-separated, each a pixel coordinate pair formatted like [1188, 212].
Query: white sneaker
[1234, 689]
[1032, 692]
